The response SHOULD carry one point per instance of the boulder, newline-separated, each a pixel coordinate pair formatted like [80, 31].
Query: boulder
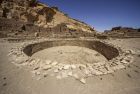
[66, 67]
[46, 67]
[73, 66]
[82, 80]
[54, 63]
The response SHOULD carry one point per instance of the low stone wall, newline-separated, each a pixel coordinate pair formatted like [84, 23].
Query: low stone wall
[108, 51]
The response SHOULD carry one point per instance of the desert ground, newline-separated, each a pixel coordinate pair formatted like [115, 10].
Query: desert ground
[45, 51]
[16, 79]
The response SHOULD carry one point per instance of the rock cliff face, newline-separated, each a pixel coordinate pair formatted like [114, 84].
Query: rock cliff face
[39, 14]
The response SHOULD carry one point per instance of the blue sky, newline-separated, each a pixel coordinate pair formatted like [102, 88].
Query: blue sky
[101, 14]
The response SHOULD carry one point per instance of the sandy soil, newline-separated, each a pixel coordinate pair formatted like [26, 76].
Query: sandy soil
[70, 55]
[18, 80]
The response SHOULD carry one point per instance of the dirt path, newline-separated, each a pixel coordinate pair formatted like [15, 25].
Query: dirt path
[18, 80]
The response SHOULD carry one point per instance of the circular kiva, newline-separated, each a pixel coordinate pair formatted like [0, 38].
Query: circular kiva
[106, 50]
[76, 58]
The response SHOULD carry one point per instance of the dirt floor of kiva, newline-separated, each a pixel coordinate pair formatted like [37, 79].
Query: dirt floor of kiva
[66, 69]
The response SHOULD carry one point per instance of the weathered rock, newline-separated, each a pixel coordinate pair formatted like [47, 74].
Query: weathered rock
[20, 60]
[96, 72]
[124, 61]
[82, 67]
[37, 61]
[36, 34]
[37, 73]
[75, 76]
[66, 67]
[54, 63]
[32, 63]
[99, 63]
[10, 53]
[87, 65]
[130, 52]
[86, 71]
[40, 14]
[73, 66]
[82, 80]
[36, 68]
[129, 59]
[46, 67]
[120, 66]
[60, 68]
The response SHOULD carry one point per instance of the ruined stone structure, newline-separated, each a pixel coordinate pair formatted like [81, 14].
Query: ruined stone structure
[38, 17]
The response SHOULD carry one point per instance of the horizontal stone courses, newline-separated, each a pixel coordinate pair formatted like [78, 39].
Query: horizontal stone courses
[108, 51]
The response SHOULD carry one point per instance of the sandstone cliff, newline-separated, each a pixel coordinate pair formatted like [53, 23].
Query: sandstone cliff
[39, 14]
